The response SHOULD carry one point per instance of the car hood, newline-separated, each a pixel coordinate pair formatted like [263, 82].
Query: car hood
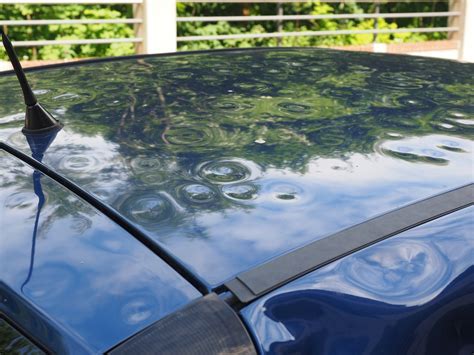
[228, 159]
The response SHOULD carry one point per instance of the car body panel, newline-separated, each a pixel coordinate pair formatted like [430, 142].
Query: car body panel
[229, 159]
[70, 278]
[410, 294]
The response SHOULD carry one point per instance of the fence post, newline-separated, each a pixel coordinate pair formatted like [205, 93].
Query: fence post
[455, 21]
[279, 22]
[158, 28]
[466, 51]
[139, 28]
[376, 21]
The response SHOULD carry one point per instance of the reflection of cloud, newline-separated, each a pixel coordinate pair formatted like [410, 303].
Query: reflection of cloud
[408, 284]
[93, 162]
[336, 151]
[331, 195]
[409, 269]
[368, 169]
[287, 209]
[399, 272]
[269, 330]
[16, 117]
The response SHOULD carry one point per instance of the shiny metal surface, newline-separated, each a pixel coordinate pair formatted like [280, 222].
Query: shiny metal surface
[228, 159]
[410, 294]
[71, 278]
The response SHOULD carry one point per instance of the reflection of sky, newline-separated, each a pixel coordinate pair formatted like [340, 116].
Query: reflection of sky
[95, 162]
[318, 145]
[331, 195]
[410, 270]
[288, 209]
[97, 282]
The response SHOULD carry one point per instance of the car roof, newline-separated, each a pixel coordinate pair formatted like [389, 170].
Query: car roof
[70, 278]
[226, 160]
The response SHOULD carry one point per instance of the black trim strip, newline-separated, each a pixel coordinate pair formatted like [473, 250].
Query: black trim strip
[268, 276]
[115, 216]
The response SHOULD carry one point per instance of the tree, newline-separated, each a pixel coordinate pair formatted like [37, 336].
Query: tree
[52, 32]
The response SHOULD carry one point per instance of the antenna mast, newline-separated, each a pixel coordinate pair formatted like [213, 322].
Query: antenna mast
[37, 118]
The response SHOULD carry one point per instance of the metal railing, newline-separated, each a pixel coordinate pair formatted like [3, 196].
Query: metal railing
[456, 24]
[155, 23]
[46, 22]
[281, 34]
[314, 17]
[315, 33]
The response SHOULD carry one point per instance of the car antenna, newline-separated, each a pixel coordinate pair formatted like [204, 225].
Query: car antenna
[37, 118]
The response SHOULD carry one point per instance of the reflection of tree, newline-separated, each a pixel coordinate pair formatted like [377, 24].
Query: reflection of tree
[196, 108]
[301, 104]
[313, 102]
[161, 140]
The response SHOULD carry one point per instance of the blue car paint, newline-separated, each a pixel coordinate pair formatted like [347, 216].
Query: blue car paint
[230, 159]
[410, 294]
[70, 278]
[227, 160]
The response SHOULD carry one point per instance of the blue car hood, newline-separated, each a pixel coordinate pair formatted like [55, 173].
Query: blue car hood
[228, 159]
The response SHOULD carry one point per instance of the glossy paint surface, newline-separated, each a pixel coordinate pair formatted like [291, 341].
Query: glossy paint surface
[70, 277]
[410, 294]
[228, 159]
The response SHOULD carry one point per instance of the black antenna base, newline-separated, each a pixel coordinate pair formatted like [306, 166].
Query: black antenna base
[39, 120]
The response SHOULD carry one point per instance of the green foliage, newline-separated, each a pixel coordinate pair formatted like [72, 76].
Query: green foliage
[50, 32]
[310, 7]
[63, 32]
